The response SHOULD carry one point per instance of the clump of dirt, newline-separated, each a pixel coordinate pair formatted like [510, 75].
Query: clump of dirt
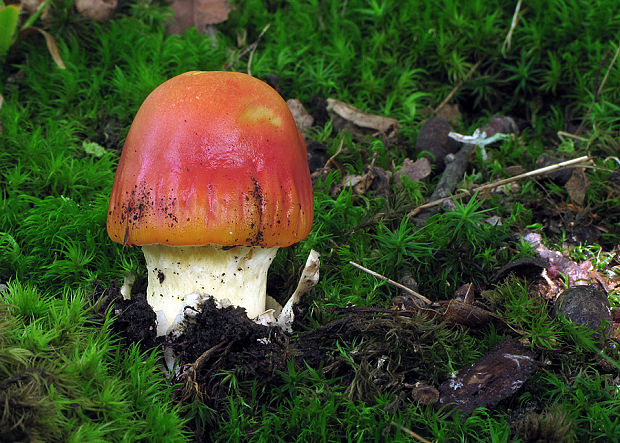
[383, 348]
[135, 320]
[218, 340]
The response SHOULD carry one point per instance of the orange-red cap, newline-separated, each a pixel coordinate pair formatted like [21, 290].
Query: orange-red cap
[212, 158]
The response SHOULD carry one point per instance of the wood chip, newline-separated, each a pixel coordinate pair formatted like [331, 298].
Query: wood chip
[497, 376]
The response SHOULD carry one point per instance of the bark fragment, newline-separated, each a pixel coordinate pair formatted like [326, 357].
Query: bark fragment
[497, 376]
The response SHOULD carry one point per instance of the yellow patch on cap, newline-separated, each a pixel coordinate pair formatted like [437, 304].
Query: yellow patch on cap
[258, 113]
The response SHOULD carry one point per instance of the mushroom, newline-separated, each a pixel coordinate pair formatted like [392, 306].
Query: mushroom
[212, 179]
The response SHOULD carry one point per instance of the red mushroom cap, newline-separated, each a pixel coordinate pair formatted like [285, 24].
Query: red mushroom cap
[212, 158]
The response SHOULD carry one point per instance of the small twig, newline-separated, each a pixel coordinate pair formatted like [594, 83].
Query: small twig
[613, 62]
[598, 91]
[251, 47]
[393, 283]
[540, 171]
[319, 16]
[562, 135]
[513, 25]
[329, 161]
[457, 87]
[333, 157]
[409, 432]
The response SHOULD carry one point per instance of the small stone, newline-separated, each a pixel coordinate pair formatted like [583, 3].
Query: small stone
[433, 138]
[585, 305]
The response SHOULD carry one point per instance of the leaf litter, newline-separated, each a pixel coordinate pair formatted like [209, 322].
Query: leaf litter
[387, 348]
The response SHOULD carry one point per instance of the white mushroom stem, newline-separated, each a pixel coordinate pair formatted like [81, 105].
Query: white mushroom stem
[176, 274]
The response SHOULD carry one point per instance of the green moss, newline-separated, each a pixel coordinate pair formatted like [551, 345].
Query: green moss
[384, 56]
[65, 378]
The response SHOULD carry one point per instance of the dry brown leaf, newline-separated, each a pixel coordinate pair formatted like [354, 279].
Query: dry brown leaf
[413, 170]
[425, 394]
[32, 6]
[514, 170]
[199, 13]
[374, 179]
[303, 119]
[350, 118]
[461, 313]
[577, 186]
[450, 113]
[50, 42]
[98, 10]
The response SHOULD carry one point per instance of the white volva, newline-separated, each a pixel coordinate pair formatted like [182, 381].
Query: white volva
[178, 276]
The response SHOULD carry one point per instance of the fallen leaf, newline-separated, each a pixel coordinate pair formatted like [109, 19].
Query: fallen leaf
[450, 113]
[465, 293]
[514, 170]
[307, 281]
[303, 120]
[413, 170]
[98, 10]
[528, 267]
[358, 122]
[50, 41]
[577, 186]
[501, 124]
[32, 6]
[464, 314]
[425, 394]
[375, 179]
[198, 13]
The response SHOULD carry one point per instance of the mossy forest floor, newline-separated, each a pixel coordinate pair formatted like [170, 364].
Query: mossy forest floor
[366, 361]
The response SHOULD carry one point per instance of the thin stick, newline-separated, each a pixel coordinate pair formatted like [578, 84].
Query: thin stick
[551, 168]
[457, 87]
[328, 163]
[562, 135]
[333, 157]
[409, 432]
[598, 91]
[393, 283]
[248, 49]
[513, 25]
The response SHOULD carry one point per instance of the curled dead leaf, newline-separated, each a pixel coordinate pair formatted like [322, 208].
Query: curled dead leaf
[98, 10]
[374, 179]
[413, 170]
[425, 394]
[199, 13]
[577, 186]
[302, 118]
[358, 122]
[50, 41]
